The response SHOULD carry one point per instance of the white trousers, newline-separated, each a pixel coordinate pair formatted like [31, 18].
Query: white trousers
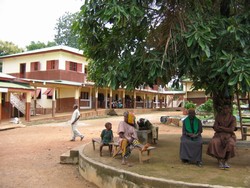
[75, 132]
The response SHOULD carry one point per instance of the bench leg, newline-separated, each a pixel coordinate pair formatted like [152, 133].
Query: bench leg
[93, 142]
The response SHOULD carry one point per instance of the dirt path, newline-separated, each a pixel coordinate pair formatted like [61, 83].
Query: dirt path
[29, 156]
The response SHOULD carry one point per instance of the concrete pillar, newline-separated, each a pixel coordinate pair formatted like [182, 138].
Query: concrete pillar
[27, 106]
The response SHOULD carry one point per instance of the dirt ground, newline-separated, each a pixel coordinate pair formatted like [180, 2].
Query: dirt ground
[30, 156]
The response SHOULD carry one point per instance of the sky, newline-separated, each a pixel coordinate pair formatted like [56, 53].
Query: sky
[23, 21]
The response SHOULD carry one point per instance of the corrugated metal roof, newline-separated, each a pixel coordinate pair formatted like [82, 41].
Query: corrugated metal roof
[15, 85]
[53, 48]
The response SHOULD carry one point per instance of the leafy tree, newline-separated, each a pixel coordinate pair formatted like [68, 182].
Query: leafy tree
[38, 45]
[132, 42]
[65, 35]
[7, 48]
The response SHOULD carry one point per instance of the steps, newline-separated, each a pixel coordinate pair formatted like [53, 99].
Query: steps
[71, 156]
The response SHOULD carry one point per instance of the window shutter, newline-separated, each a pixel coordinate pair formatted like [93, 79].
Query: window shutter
[67, 65]
[79, 67]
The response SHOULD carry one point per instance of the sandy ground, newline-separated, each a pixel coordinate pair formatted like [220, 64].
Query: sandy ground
[30, 156]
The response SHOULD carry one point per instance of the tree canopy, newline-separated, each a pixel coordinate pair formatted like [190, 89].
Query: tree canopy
[132, 43]
[38, 45]
[64, 33]
[7, 48]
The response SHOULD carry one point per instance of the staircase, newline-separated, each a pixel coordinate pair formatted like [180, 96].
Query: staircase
[244, 114]
[17, 102]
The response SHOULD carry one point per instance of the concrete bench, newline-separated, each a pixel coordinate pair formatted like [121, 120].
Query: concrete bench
[142, 155]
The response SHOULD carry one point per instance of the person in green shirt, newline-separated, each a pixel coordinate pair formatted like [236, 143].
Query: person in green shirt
[106, 137]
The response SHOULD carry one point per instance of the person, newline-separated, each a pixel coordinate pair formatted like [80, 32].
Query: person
[222, 145]
[145, 124]
[191, 139]
[74, 120]
[128, 137]
[106, 137]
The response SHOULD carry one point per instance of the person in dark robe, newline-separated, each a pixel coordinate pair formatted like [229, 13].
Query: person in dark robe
[191, 140]
[222, 145]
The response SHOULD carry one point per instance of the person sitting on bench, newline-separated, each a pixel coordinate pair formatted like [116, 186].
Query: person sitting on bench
[106, 137]
[128, 137]
[145, 124]
[191, 139]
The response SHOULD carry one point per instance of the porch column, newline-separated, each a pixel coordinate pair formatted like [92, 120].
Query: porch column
[152, 101]
[54, 102]
[134, 99]
[77, 96]
[110, 98]
[123, 99]
[90, 97]
[143, 104]
[27, 106]
[156, 101]
[106, 98]
[35, 101]
[160, 101]
[96, 99]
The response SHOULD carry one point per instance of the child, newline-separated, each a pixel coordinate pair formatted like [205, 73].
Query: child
[107, 137]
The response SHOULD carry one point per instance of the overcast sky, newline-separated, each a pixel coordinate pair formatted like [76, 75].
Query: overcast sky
[23, 21]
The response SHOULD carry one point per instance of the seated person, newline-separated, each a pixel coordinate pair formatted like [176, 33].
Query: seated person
[191, 139]
[222, 146]
[106, 137]
[145, 124]
[128, 137]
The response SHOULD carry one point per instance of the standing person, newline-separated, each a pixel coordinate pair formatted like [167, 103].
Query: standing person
[107, 137]
[191, 139]
[74, 120]
[222, 145]
[128, 137]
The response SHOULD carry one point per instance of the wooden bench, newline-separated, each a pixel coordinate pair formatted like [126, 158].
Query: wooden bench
[98, 140]
[142, 155]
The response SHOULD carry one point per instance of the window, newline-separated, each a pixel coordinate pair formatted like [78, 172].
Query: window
[1, 66]
[84, 95]
[73, 66]
[34, 66]
[52, 65]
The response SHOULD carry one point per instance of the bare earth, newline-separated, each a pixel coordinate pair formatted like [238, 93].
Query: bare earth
[30, 156]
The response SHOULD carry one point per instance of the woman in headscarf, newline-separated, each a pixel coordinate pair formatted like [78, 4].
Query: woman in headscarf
[127, 136]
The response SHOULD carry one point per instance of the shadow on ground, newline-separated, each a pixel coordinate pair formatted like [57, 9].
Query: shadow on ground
[165, 163]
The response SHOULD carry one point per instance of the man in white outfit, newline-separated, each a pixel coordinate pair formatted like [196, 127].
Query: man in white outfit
[74, 119]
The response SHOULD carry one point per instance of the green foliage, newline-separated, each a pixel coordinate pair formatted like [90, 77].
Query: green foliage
[131, 43]
[7, 48]
[206, 107]
[38, 45]
[189, 104]
[64, 33]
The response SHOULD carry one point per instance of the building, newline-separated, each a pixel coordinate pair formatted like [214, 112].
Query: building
[59, 77]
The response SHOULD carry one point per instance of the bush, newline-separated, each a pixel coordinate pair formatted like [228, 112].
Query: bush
[189, 104]
[206, 107]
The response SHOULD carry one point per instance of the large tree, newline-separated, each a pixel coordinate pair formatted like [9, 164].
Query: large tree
[64, 33]
[7, 48]
[38, 45]
[132, 43]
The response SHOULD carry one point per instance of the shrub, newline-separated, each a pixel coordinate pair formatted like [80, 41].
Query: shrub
[189, 104]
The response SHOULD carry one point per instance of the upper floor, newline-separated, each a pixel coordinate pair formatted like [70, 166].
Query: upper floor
[53, 63]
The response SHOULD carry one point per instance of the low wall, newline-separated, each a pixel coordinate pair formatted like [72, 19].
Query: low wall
[109, 177]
